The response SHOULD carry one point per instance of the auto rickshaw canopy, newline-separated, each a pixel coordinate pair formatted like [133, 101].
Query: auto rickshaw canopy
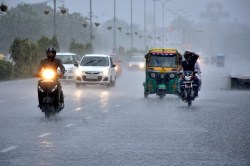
[159, 58]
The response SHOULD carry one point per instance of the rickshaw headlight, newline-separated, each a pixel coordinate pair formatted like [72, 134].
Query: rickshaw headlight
[152, 75]
[162, 75]
[171, 75]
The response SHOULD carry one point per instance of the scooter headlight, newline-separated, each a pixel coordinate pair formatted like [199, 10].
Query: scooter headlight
[188, 78]
[48, 74]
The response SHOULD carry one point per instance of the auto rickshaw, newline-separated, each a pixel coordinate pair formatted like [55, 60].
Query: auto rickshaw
[161, 72]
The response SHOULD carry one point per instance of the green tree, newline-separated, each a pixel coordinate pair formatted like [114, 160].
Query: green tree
[89, 48]
[25, 55]
[77, 48]
[5, 70]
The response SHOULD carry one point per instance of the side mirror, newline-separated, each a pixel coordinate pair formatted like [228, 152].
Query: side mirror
[76, 64]
[113, 66]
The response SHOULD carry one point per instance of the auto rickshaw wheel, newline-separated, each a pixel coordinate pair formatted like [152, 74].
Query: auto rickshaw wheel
[161, 96]
[145, 94]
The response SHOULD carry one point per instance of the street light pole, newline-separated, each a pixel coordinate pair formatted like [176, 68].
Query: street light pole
[90, 17]
[114, 27]
[54, 17]
[131, 25]
[145, 41]
[154, 23]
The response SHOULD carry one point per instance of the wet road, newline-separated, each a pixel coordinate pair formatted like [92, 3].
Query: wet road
[117, 126]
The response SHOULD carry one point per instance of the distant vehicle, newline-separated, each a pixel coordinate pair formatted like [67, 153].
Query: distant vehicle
[96, 69]
[220, 60]
[117, 62]
[204, 60]
[68, 60]
[136, 62]
[2, 57]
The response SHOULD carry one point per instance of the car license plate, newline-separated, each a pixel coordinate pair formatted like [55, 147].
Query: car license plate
[91, 77]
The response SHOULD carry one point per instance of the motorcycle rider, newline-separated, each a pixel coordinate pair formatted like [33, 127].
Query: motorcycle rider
[188, 65]
[52, 63]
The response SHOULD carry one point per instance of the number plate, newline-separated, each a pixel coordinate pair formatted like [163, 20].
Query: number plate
[91, 77]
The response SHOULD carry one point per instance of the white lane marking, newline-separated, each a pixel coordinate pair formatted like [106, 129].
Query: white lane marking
[89, 117]
[79, 108]
[117, 105]
[69, 125]
[128, 101]
[2, 101]
[44, 135]
[8, 149]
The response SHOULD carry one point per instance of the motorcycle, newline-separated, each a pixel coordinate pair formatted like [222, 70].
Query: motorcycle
[188, 87]
[48, 89]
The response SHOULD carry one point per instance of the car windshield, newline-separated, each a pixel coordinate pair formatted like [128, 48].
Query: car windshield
[163, 61]
[137, 59]
[67, 59]
[95, 61]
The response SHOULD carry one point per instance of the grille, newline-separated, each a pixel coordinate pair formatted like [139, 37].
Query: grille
[92, 72]
[87, 79]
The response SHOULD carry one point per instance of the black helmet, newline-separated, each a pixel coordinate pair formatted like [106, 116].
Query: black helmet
[51, 49]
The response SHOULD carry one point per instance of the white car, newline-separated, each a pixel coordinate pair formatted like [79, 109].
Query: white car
[136, 62]
[96, 69]
[68, 59]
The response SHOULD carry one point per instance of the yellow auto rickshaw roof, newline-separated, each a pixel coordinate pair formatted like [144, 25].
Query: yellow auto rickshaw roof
[163, 50]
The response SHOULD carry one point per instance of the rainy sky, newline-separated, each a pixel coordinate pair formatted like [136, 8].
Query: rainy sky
[103, 10]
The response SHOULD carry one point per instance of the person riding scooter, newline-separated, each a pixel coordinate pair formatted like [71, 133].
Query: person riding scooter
[52, 63]
[188, 65]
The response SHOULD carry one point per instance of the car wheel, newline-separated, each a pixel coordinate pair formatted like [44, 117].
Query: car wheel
[113, 82]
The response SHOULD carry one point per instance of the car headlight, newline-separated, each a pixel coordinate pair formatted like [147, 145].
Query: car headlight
[78, 72]
[141, 65]
[105, 72]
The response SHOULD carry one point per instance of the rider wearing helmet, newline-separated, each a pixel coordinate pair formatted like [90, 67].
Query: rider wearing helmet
[188, 65]
[52, 63]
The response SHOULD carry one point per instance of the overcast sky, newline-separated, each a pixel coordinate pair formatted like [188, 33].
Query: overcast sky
[104, 9]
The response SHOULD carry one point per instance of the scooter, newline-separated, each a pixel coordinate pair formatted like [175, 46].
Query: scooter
[48, 90]
[189, 87]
